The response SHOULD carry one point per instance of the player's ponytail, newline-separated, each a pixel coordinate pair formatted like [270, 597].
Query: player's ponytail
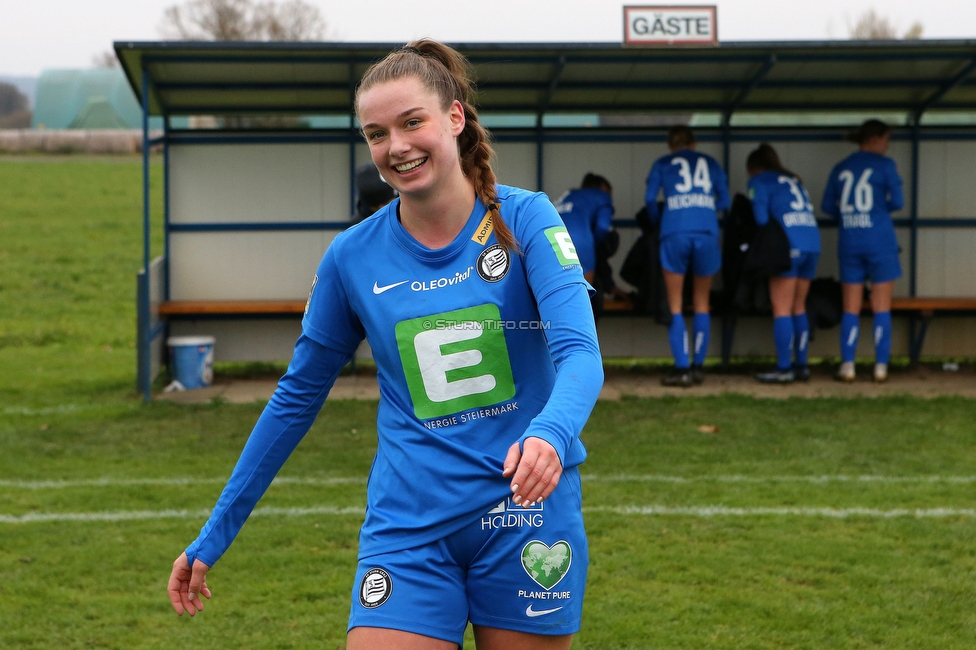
[447, 73]
[765, 158]
[867, 131]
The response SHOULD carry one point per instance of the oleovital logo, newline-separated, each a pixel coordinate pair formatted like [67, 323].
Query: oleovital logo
[455, 361]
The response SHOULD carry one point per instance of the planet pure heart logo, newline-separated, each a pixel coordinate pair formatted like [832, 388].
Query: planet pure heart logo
[547, 565]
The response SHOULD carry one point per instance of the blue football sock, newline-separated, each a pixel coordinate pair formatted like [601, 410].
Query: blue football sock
[701, 326]
[783, 336]
[678, 337]
[848, 336]
[882, 337]
[801, 338]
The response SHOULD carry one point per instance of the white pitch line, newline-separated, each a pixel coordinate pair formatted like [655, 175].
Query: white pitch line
[51, 410]
[739, 478]
[589, 478]
[837, 513]
[137, 515]
[116, 482]
[59, 409]
[683, 511]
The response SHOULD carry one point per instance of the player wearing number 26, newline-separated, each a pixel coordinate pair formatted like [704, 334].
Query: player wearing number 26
[862, 191]
[694, 188]
[473, 505]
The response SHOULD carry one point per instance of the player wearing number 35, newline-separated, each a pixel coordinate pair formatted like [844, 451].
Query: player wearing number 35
[862, 191]
[474, 305]
[778, 194]
[694, 188]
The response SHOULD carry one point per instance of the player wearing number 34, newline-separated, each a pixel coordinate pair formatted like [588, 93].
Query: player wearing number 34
[694, 188]
[862, 191]
[475, 307]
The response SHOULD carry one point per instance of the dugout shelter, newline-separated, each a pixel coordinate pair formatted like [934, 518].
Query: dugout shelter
[260, 184]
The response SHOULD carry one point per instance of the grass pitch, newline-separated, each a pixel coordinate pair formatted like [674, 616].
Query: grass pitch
[798, 524]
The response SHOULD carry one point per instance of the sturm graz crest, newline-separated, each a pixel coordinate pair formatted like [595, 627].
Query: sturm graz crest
[375, 589]
[493, 263]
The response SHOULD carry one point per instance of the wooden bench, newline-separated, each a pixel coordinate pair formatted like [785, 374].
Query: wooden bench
[210, 308]
[617, 305]
[919, 310]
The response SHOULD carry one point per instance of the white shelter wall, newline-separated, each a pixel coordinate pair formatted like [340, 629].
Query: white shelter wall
[247, 183]
[947, 179]
[516, 164]
[245, 265]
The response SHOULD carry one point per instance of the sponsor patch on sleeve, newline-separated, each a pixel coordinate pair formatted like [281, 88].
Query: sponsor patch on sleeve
[563, 246]
[308, 302]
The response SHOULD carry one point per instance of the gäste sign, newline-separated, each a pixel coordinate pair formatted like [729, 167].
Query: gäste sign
[670, 25]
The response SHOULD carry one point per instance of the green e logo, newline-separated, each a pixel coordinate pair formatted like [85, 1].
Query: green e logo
[563, 245]
[455, 361]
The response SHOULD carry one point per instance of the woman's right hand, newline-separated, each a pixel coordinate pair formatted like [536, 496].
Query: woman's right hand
[186, 586]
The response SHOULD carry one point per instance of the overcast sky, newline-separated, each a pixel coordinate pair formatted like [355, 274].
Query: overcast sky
[40, 34]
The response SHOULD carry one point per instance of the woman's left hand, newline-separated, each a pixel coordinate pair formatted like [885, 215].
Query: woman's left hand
[536, 468]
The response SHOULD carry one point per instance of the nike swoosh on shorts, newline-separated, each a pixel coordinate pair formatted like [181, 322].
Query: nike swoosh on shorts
[531, 613]
[378, 289]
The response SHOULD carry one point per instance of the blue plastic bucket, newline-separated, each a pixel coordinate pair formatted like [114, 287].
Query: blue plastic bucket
[191, 360]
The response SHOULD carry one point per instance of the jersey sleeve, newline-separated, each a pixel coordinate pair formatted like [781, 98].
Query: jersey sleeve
[654, 181]
[720, 186]
[572, 340]
[760, 201]
[282, 425]
[895, 195]
[329, 318]
[548, 252]
[829, 203]
[561, 294]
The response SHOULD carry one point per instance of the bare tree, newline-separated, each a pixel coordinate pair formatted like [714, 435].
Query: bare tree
[246, 20]
[12, 100]
[873, 26]
[105, 59]
[293, 20]
[243, 20]
[914, 32]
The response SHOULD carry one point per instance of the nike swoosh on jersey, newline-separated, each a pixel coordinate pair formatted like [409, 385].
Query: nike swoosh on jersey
[378, 289]
[531, 613]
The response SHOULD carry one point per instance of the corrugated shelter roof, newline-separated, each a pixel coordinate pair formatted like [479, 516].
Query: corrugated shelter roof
[314, 78]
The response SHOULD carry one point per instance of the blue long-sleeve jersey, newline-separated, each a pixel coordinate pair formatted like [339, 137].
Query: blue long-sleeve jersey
[784, 199]
[476, 348]
[862, 192]
[588, 214]
[695, 188]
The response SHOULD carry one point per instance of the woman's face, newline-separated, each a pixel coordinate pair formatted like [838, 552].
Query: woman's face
[412, 140]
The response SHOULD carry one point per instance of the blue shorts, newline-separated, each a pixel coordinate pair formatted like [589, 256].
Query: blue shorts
[513, 568]
[803, 265]
[855, 269]
[699, 250]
